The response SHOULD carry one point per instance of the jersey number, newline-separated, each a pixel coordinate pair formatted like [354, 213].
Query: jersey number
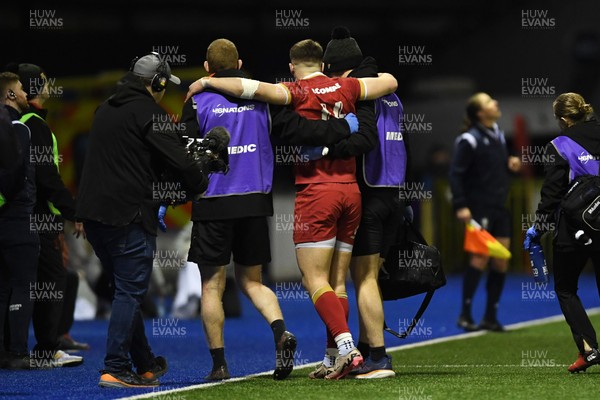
[336, 112]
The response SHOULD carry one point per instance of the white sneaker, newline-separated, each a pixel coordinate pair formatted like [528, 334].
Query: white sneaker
[62, 359]
[345, 364]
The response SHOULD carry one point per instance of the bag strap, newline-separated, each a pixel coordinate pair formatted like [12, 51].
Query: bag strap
[416, 232]
[418, 316]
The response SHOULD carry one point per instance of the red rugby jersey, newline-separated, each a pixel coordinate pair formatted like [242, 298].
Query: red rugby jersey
[320, 97]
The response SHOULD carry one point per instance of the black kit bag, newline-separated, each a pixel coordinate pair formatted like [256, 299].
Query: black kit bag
[411, 267]
[581, 204]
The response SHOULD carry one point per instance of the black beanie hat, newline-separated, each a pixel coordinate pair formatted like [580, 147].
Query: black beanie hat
[342, 52]
[31, 76]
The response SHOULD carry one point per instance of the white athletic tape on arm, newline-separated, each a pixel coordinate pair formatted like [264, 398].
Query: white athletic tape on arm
[250, 86]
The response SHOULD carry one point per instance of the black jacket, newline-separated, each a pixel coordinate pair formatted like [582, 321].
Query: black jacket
[294, 129]
[19, 180]
[556, 183]
[367, 137]
[128, 151]
[479, 175]
[50, 186]
[9, 147]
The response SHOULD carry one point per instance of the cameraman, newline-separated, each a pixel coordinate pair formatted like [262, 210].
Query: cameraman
[126, 155]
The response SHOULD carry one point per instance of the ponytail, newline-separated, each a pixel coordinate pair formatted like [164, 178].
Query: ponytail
[573, 106]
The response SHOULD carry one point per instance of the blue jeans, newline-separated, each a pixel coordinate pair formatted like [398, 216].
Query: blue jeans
[126, 253]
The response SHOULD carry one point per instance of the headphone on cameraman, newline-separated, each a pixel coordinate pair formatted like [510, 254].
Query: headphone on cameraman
[158, 82]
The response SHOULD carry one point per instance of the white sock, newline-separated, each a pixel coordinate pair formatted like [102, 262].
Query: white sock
[330, 356]
[344, 342]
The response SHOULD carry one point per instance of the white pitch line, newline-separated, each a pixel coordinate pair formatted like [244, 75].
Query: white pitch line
[479, 366]
[518, 325]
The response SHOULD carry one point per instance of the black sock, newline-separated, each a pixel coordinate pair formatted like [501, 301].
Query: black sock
[363, 348]
[218, 357]
[377, 353]
[494, 286]
[470, 282]
[278, 327]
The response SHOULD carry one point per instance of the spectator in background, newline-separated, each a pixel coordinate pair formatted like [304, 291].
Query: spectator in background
[54, 203]
[479, 180]
[19, 245]
[9, 148]
[65, 341]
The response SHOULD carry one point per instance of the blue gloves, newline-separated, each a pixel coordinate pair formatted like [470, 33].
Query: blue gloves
[353, 122]
[162, 211]
[531, 237]
[313, 153]
[532, 245]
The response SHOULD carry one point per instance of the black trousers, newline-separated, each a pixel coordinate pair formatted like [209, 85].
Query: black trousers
[66, 319]
[19, 249]
[49, 304]
[567, 268]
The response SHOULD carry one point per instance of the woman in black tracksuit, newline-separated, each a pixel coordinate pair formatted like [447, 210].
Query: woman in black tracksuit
[582, 131]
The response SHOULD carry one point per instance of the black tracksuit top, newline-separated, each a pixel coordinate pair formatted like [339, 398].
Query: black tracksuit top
[127, 155]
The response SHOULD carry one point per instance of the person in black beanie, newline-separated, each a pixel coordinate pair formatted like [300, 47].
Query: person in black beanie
[381, 169]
